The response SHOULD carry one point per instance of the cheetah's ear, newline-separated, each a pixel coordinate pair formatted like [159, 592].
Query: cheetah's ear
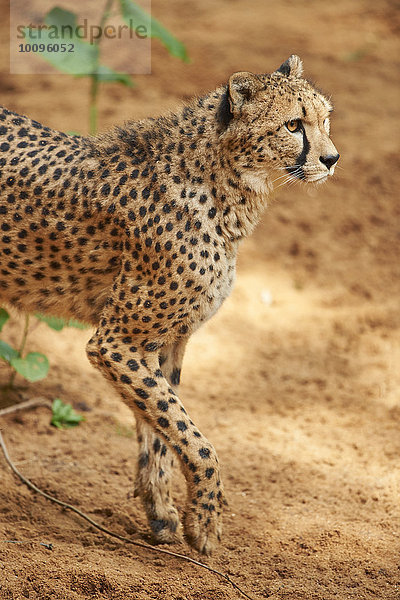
[292, 66]
[242, 87]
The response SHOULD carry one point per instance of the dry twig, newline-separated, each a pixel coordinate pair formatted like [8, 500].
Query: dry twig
[24, 405]
[33, 487]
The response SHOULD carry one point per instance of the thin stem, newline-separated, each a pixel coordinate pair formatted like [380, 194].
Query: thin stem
[20, 349]
[94, 85]
[24, 335]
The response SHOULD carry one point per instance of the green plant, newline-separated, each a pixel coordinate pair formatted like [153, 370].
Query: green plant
[64, 416]
[84, 61]
[34, 365]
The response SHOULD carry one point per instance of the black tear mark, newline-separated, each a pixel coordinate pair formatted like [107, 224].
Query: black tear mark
[296, 169]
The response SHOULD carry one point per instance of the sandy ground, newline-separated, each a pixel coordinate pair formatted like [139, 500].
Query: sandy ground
[301, 397]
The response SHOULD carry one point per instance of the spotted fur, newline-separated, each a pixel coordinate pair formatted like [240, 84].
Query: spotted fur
[136, 231]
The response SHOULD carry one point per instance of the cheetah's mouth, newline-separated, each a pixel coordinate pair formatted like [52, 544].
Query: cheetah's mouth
[318, 178]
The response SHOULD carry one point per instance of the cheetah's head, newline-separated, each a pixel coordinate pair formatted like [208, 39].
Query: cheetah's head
[278, 125]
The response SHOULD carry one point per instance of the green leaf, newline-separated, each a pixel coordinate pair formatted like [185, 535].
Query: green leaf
[59, 17]
[7, 352]
[105, 74]
[134, 16]
[64, 415]
[58, 323]
[77, 324]
[61, 29]
[33, 367]
[83, 60]
[4, 316]
[55, 323]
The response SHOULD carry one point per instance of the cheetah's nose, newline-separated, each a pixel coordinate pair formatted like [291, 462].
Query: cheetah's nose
[329, 160]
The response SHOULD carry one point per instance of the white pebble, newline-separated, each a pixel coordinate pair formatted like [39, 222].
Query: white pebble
[266, 297]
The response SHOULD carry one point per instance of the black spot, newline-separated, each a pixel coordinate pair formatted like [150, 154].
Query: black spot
[140, 404]
[162, 405]
[151, 347]
[204, 453]
[143, 460]
[132, 364]
[209, 473]
[163, 422]
[175, 376]
[105, 190]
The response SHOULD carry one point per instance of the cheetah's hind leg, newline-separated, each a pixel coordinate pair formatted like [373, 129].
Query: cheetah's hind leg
[153, 482]
[155, 464]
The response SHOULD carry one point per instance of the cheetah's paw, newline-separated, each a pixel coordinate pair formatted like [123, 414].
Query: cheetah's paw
[163, 519]
[203, 533]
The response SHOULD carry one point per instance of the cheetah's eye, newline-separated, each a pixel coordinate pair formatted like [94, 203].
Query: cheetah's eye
[294, 125]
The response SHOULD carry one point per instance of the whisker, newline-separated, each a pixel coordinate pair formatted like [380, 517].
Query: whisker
[288, 179]
[281, 177]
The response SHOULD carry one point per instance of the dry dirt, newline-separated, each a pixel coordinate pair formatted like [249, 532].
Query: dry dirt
[301, 397]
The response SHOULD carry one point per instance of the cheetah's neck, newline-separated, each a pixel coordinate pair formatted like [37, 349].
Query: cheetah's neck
[192, 147]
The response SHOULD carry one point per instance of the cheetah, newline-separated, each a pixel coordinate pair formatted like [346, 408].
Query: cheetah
[136, 232]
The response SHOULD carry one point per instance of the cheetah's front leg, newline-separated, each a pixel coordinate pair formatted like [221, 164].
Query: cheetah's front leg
[136, 374]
